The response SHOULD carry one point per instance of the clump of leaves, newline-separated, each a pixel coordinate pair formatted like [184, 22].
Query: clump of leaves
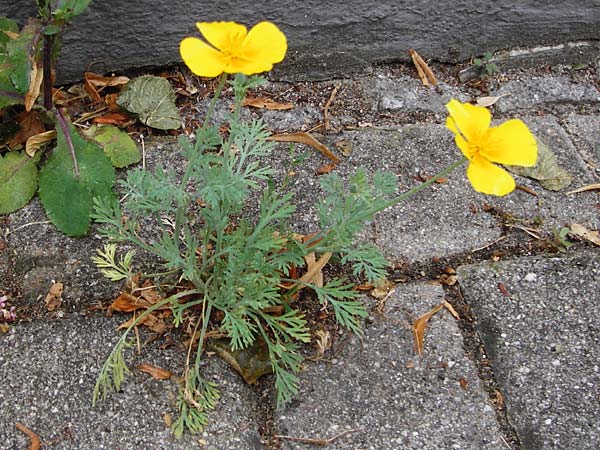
[486, 64]
[235, 267]
[78, 169]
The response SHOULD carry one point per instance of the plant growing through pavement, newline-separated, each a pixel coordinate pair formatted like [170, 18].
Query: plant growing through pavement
[236, 275]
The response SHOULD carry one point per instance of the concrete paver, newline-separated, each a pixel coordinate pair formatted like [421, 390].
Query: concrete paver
[543, 341]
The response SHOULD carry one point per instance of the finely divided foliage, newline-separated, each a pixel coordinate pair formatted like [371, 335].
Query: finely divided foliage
[237, 265]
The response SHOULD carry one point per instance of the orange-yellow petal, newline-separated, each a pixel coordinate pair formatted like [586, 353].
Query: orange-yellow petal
[472, 121]
[225, 36]
[201, 58]
[510, 143]
[488, 178]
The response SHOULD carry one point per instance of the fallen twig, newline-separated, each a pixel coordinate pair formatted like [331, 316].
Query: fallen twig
[35, 443]
[321, 442]
[326, 121]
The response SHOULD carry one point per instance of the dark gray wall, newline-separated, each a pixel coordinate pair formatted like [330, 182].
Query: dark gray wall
[325, 36]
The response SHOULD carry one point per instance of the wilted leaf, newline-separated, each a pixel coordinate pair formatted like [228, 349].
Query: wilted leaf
[419, 326]
[35, 442]
[382, 288]
[126, 302]
[425, 73]
[101, 81]
[117, 144]
[53, 299]
[67, 199]
[155, 372]
[582, 232]
[153, 100]
[489, 101]
[34, 143]
[4, 328]
[114, 118]
[266, 103]
[344, 146]
[18, 181]
[151, 321]
[547, 171]
[325, 169]
[30, 124]
[251, 362]
[307, 139]
[323, 341]
[313, 269]
[35, 82]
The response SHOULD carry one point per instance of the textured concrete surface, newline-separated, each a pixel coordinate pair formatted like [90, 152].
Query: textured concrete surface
[542, 339]
[326, 38]
[48, 374]
[379, 388]
[544, 343]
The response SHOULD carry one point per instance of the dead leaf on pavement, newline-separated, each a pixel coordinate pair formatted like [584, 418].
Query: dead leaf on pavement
[382, 289]
[114, 118]
[419, 326]
[307, 139]
[344, 146]
[54, 298]
[126, 302]
[589, 187]
[34, 143]
[582, 232]
[266, 103]
[323, 341]
[35, 442]
[325, 169]
[155, 372]
[489, 101]
[4, 328]
[425, 73]
[101, 81]
[450, 308]
[151, 321]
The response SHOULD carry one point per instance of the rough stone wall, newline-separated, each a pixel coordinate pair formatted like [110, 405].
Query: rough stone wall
[330, 36]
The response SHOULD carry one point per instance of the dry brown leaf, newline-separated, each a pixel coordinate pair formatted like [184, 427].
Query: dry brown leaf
[100, 81]
[323, 341]
[307, 139]
[30, 124]
[489, 101]
[4, 328]
[35, 82]
[419, 326]
[425, 73]
[35, 442]
[382, 289]
[54, 298]
[344, 146]
[34, 143]
[313, 270]
[155, 372]
[325, 169]
[152, 322]
[450, 308]
[582, 232]
[128, 303]
[92, 92]
[589, 187]
[463, 383]
[114, 118]
[266, 103]
[168, 419]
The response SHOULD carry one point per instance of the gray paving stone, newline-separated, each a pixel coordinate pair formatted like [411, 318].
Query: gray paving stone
[378, 387]
[48, 373]
[544, 343]
[584, 130]
[533, 92]
[408, 94]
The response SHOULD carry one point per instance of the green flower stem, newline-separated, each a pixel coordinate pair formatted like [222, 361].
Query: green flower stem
[417, 188]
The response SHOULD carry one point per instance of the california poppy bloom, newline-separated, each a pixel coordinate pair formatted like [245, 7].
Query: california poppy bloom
[230, 48]
[510, 143]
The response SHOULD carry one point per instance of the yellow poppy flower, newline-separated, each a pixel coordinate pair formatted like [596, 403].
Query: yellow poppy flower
[510, 143]
[231, 49]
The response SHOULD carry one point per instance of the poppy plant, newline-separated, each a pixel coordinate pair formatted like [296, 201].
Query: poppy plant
[230, 48]
[510, 143]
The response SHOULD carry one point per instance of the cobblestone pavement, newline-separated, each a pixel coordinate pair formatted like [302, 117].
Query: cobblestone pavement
[518, 370]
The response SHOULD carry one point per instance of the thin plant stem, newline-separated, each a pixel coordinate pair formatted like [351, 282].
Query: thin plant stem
[62, 121]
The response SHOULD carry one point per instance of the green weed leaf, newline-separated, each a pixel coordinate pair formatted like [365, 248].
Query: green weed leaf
[67, 9]
[18, 181]
[153, 100]
[6, 24]
[117, 144]
[68, 200]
